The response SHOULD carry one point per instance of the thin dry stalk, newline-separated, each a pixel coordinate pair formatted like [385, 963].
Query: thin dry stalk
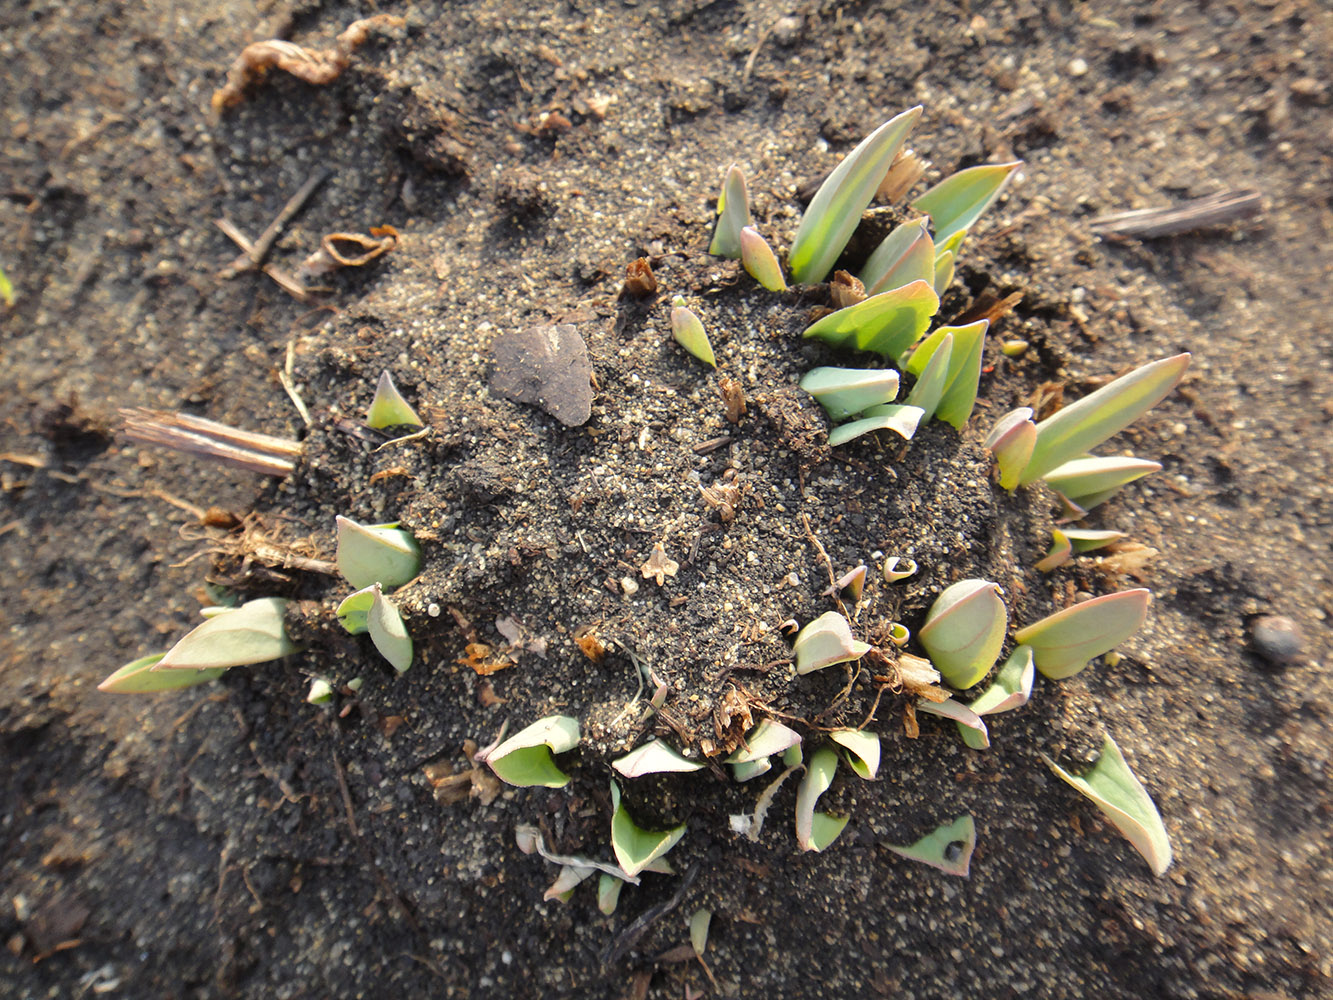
[1201, 213]
[262, 453]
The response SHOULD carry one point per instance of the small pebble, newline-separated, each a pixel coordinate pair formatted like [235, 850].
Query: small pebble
[787, 30]
[1277, 639]
[1078, 67]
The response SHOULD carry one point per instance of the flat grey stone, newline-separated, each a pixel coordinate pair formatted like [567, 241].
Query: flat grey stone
[546, 366]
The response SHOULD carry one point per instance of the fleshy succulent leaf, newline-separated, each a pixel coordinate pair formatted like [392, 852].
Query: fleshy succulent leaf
[524, 759]
[355, 608]
[899, 568]
[1060, 552]
[1011, 441]
[1089, 539]
[321, 691]
[1012, 686]
[955, 203]
[747, 769]
[389, 408]
[887, 324]
[654, 757]
[388, 632]
[635, 847]
[944, 268]
[608, 893]
[689, 332]
[376, 553]
[964, 372]
[907, 254]
[930, 384]
[1072, 431]
[758, 259]
[970, 725]
[835, 211]
[903, 420]
[252, 633]
[733, 214]
[845, 392]
[964, 631]
[769, 737]
[1114, 789]
[1090, 480]
[816, 831]
[861, 747]
[1064, 642]
[948, 848]
[138, 677]
[825, 641]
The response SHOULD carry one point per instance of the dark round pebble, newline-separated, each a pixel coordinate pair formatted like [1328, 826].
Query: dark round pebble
[1277, 639]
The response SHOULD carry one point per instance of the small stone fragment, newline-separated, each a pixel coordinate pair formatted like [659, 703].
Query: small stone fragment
[1277, 639]
[659, 567]
[546, 366]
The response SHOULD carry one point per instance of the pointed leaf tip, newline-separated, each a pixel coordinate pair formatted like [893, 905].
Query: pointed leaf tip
[389, 408]
[1063, 643]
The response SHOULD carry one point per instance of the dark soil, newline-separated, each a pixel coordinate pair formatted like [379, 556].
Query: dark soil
[233, 840]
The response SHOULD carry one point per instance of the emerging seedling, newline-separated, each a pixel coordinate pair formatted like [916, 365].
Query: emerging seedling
[903, 420]
[906, 255]
[376, 553]
[138, 677]
[387, 631]
[1068, 541]
[825, 641]
[888, 323]
[964, 631]
[845, 392]
[896, 568]
[1064, 642]
[758, 259]
[354, 610]
[1112, 787]
[1011, 441]
[733, 215]
[764, 741]
[635, 847]
[689, 332]
[321, 692]
[815, 831]
[1093, 480]
[525, 758]
[835, 211]
[975, 733]
[861, 748]
[654, 757]
[955, 203]
[608, 893]
[236, 637]
[948, 848]
[389, 408]
[962, 372]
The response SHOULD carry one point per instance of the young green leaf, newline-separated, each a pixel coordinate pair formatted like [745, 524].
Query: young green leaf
[689, 332]
[964, 631]
[388, 632]
[758, 259]
[1012, 687]
[1114, 789]
[389, 408]
[1091, 480]
[906, 255]
[1071, 432]
[635, 847]
[1060, 552]
[733, 215]
[948, 848]
[566, 881]
[825, 641]
[525, 758]
[376, 553]
[321, 691]
[764, 740]
[815, 831]
[6, 289]
[252, 633]
[929, 388]
[836, 209]
[138, 677]
[887, 324]
[745, 770]
[861, 747]
[608, 893]
[699, 924]
[897, 568]
[944, 268]
[964, 373]
[654, 757]
[845, 392]
[956, 202]
[901, 419]
[1090, 539]
[1011, 441]
[1064, 642]
[355, 608]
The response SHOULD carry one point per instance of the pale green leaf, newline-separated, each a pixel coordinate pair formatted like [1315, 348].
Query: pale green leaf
[862, 750]
[970, 725]
[845, 392]
[355, 608]
[964, 373]
[1011, 441]
[1012, 686]
[948, 848]
[608, 893]
[389, 408]
[1064, 642]
[699, 924]
[733, 214]
[1088, 481]
[634, 846]
[769, 737]
[138, 677]
[321, 691]
[1114, 789]
[907, 254]
[376, 553]
[1060, 552]
[815, 831]
[929, 388]
[835, 211]
[689, 333]
[654, 757]
[887, 324]
[252, 633]
[388, 632]
[964, 631]
[943, 273]
[955, 203]
[758, 259]
[825, 641]
[1081, 426]
[903, 420]
[524, 759]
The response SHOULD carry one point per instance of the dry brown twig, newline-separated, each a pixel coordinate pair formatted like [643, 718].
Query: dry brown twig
[263, 453]
[1201, 213]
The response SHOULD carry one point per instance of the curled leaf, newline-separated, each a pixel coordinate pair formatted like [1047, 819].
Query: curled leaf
[887, 324]
[948, 848]
[769, 737]
[355, 608]
[861, 748]
[907, 254]
[1114, 789]
[654, 757]
[825, 641]
[897, 568]
[376, 553]
[1012, 686]
[964, 631]
[635, 847]
[901, 419]
[1011, 441]
[974, 731]
[525, 758]
[733, 215]
[816, 831]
